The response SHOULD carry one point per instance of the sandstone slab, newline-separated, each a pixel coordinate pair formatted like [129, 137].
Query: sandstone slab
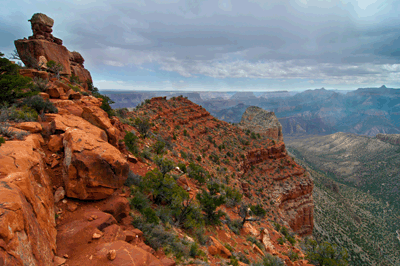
[27, 224]
[63, 122]
[93, 168]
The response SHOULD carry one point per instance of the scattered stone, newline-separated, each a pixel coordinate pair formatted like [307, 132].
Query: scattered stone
[117, 206]
[59, 194]
[66, 256]
[92, 218]
[55, 143]
[72, 206]
[111, 254]
[220, 249]
[131, 158]
[44, 95]
[59, 261]
[97, 235]
[64, 201]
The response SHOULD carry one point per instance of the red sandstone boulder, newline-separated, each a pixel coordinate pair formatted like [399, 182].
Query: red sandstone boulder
[33, 127]
[44, 95]
[117, 206]
[93, 168]
[73, 95]
[28, 49]
[55, 143]
[63, 122]
[99, 117]
[219, 249]
[55, 92]
[69, 106]
[27, 226]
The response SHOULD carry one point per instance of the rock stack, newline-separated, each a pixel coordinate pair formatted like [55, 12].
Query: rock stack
[42, 47]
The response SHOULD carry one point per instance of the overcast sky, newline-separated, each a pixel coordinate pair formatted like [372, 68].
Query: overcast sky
[223, 44]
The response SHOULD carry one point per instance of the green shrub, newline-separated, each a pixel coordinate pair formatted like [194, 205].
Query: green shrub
[164, 165]
[209, 203]
[233, 196]
[182, 166]
[146, 154]
[214, 157]
[269, 260]
[40, 84]
[22, 114]
[158, 147]
[54, 67]
[258, 210]
[140, 201]
[106, 101]
[198, 173]
[7, 132]
[157, 236]
[281, 241]
[2, 140]
[133, 179]
[150, 215]
[325, 253]
[234, 225]
[183, 154]
[13, 86]
[40, 105]
[143, 126]
[121, 112]
[74, 79]
[131, 142]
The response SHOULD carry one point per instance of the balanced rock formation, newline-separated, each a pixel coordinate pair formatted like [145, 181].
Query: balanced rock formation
[261, 121]
[42, 47]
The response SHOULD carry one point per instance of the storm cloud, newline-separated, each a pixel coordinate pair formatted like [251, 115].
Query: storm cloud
[345, 43]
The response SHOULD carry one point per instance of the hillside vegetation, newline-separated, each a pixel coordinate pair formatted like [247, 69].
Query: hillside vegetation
[355, 194]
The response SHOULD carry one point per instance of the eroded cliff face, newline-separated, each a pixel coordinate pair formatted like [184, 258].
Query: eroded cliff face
[289, 184]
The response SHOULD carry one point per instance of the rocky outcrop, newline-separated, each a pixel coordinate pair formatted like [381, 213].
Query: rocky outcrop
[261, 121]
[290, 185]
[98, 117]
[42, 47]
[27, 225]
[93, 168]
[390, 138]
[60, 124]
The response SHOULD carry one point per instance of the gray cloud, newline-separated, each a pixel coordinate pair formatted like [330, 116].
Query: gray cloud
[334, 41]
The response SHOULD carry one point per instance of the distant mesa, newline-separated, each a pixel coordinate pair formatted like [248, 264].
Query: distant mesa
[261, 121]
[42, 47]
